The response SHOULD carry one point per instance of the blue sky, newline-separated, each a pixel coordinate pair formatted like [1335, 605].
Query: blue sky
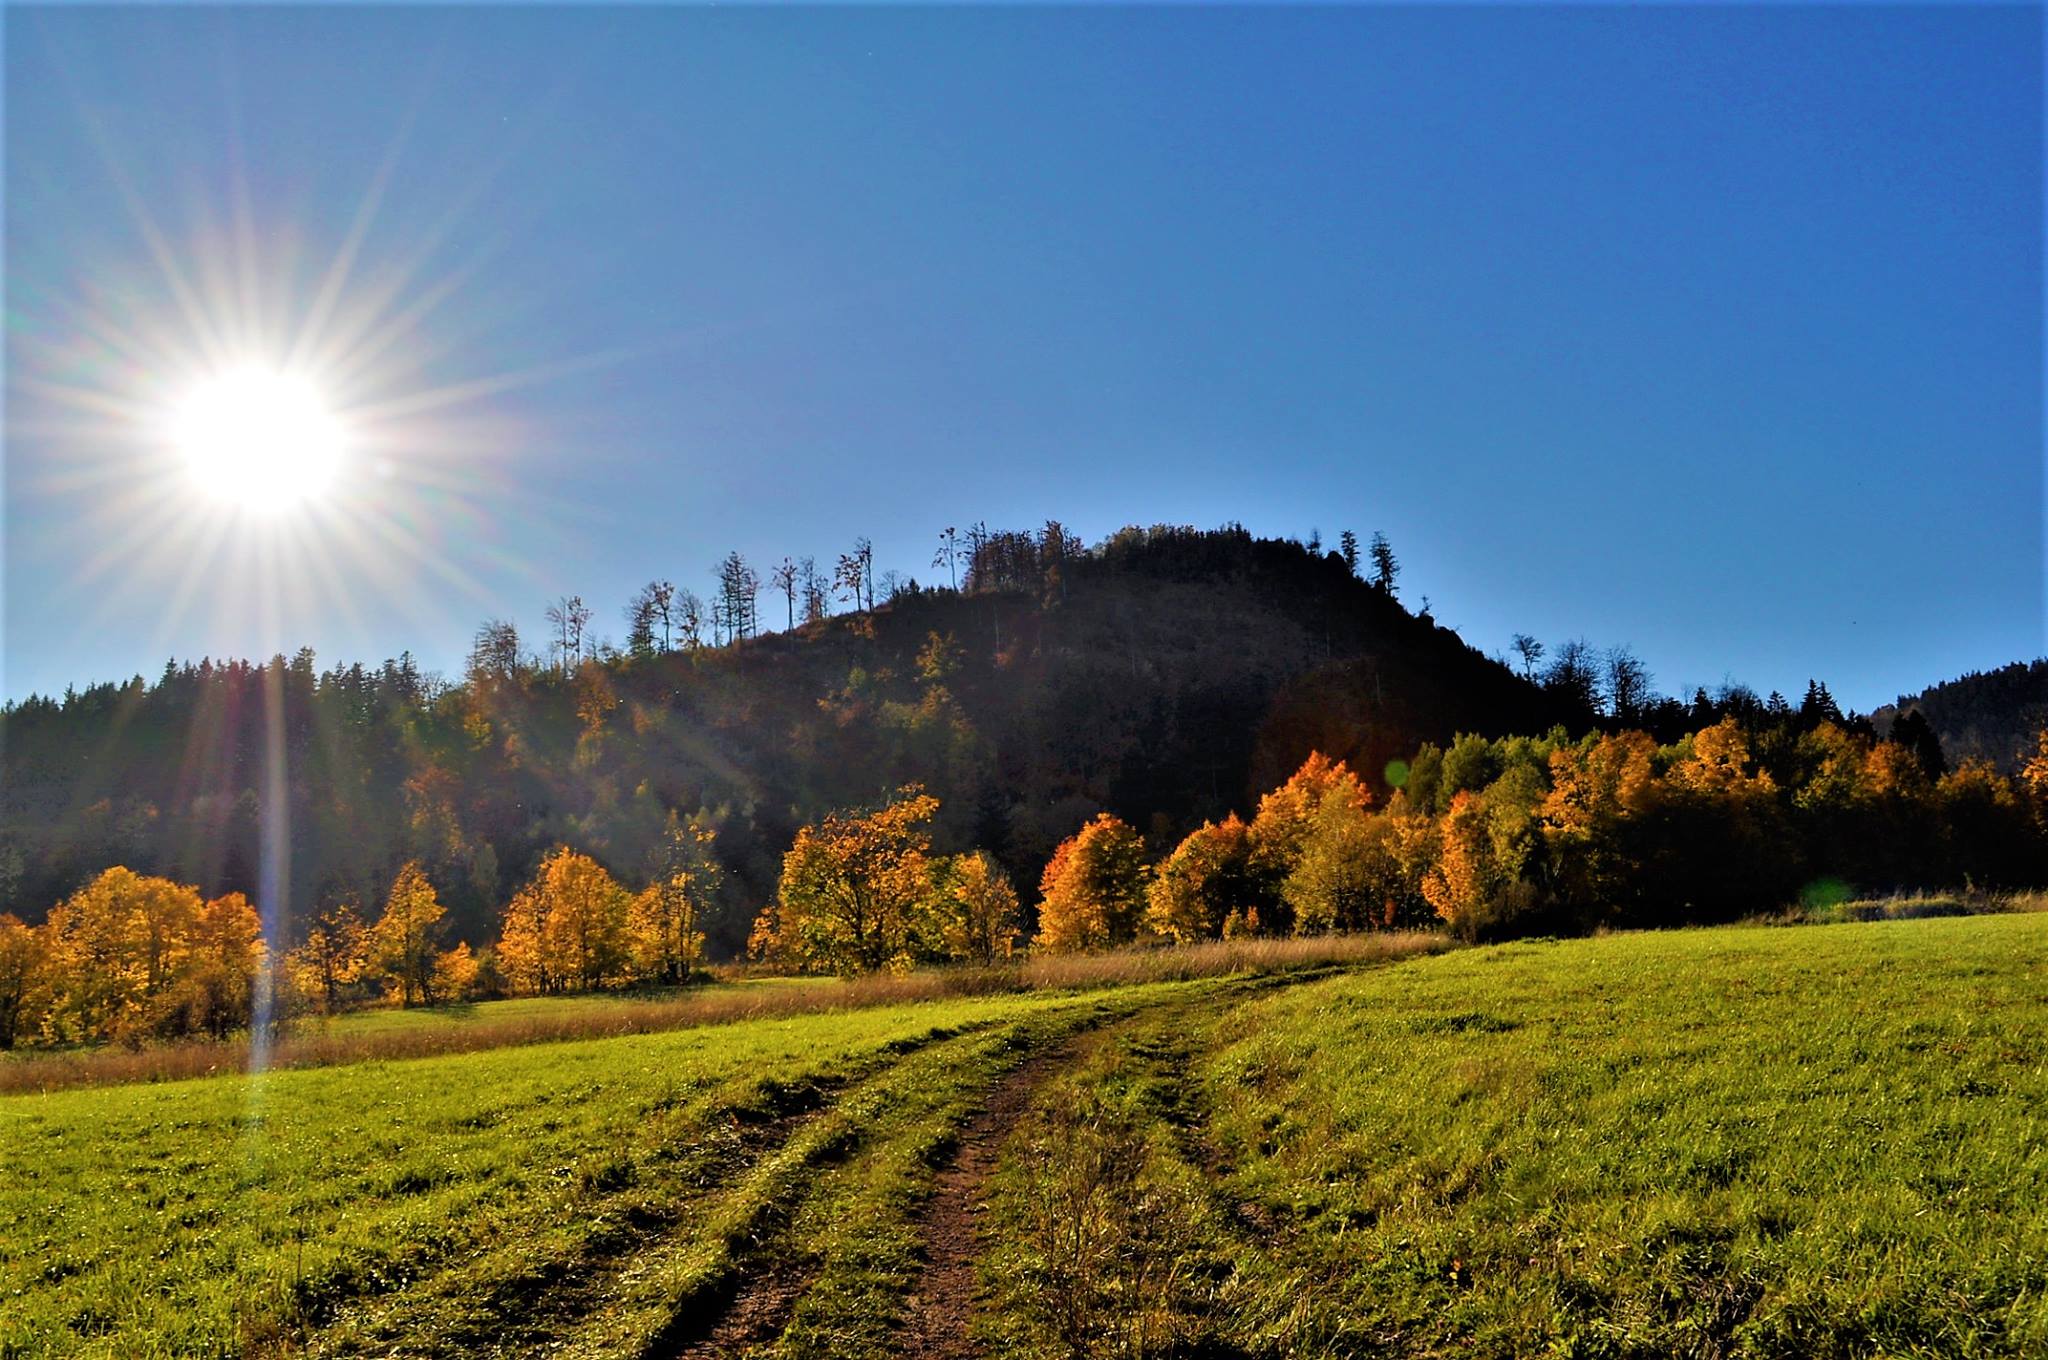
[1715, 332]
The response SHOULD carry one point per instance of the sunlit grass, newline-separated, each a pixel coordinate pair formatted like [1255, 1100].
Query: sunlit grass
[1738, 1142]
[211, 1217]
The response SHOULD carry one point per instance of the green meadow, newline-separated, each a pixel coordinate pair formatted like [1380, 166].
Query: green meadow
[1758, 1141]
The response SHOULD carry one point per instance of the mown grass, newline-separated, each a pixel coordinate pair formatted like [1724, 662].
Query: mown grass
[388, 1033]
[1744, 1142]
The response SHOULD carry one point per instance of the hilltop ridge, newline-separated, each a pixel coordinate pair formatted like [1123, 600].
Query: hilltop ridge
[1167, 674]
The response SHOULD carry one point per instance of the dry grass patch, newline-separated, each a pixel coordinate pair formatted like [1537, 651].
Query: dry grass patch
[590, 1018]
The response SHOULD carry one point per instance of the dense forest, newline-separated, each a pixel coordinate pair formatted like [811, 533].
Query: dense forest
[1985, 715]
[1166, 677]
[1164, 674]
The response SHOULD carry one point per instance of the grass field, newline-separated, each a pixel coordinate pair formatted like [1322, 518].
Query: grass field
[1756, 1141]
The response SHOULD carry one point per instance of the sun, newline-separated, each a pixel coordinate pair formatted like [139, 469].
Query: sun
[258, 438]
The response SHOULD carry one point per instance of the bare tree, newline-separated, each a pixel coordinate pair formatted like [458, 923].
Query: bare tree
[1531, 652]
[816, 590]
[689, 619]
[495, 650]
[1628, 684]
[570, 618]
[1573, 674]
[785, 578]
[661, 602]
[948, 555]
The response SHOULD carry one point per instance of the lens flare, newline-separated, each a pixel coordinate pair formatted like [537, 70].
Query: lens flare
[259, 439]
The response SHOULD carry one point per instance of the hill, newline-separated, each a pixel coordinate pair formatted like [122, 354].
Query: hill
[1985, 715]
[1166, 674]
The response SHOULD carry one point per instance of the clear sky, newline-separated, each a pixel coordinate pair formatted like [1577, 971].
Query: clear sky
[1717, 333]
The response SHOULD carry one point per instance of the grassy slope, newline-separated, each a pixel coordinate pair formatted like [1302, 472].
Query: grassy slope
[1795, 1141]
[1784, 1142]
[395, 1199]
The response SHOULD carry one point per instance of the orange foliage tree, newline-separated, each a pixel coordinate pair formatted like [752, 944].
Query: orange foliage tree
[855, 894]
[1093, 889]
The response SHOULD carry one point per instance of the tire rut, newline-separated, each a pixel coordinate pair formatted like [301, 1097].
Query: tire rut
[941, 1304]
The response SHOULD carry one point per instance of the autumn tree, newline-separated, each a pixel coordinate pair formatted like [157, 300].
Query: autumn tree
[2034, 779]
[1281, 826]
[333, 958]
[1349, 872]
[455, 972]
[1462, 881]
[402, 942]
[855, 888]
[583, 920]
[25, 978]
[525, 949]
[667, 938]
[855, 577]
[977, 909]
[115, 942]
[1093, 889]
[224, 955]
[1207, 885]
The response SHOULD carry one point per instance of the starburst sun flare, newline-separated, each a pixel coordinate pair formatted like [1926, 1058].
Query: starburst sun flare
[259, 438]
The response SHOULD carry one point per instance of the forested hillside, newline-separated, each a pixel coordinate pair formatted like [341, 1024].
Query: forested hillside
[1985, 715]
[1167, 675]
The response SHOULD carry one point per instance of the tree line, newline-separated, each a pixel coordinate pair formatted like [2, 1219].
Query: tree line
[1162, 674]
[1486, 837]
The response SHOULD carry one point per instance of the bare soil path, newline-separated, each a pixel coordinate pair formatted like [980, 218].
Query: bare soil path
[941, 1304]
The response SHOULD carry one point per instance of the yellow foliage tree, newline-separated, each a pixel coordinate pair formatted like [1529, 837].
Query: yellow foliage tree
[855, 890]
[402, 942]
[25, 975]
[583, 912]
[524, 946]
[332, 959]
[978, 904]
[116, 943]
[667, 943]
[455, 972]
[1093, 888]
[2034, 778]
[222, 959]
[1460, 883]
[1207, 883]
[1718, 762]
